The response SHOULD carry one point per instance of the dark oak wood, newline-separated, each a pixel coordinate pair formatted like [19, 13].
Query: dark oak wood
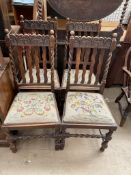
[38, 25]
[126, 89]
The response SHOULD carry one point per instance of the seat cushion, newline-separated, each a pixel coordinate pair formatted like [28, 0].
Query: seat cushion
[72, 77]
[83, 107]
[56, 78]
[33, 107]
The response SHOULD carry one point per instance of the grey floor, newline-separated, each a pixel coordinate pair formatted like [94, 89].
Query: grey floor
[80, 156]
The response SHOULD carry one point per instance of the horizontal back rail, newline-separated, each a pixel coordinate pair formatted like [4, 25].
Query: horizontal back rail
[38, 24]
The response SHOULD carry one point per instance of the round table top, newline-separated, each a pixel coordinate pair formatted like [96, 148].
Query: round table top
[88, 10]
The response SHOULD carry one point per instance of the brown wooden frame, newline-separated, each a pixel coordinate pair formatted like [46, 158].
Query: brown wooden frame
[126, 89]
[94, 43]
[31, 40]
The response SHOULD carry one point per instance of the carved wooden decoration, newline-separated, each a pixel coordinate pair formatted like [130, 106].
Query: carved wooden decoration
[29, 40]
[83, 26]
[90, 42]
[39, 25]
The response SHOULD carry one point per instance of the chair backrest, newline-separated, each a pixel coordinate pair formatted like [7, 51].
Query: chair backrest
[94, 60]
[80, 29]
[29, 74]
[127, 73]
[41, 27]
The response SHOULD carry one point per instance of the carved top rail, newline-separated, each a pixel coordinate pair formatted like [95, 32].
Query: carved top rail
[38, 24]
[83, 26]
[90, 42]
[29, 40]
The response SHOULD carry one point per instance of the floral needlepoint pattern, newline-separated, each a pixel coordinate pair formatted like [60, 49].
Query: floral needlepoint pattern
[83, 107]
[72, 77]
[29, 107]
[56, 78]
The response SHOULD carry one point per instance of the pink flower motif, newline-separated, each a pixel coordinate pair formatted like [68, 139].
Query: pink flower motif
[47, 108]
[20, 109]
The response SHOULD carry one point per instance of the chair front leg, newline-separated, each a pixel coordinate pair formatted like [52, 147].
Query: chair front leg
[119, 97]
[62, 145]
[60, 139]
[108, 137]
[57, 139]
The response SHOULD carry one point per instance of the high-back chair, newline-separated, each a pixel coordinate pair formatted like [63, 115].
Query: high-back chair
[80, 29]
[34, 105]
[42, 27]
[84, 109]
[126, 89]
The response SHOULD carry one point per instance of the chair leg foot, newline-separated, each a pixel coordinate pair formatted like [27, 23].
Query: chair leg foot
[63, 138]
[59, 145]
[13, 147]
[104, 144]
[62, 144]
[119, 97]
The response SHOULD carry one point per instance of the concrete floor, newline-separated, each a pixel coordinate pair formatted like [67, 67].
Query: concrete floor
[80, 156]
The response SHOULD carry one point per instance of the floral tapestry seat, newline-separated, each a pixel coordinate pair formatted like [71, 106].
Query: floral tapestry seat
[32, 107]
[87, 108]
[56, 78]
[72, 77]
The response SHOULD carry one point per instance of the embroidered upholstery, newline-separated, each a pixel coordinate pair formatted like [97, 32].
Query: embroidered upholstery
[56, 78]
[72, 77]
[83, 107]
[32, 107]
